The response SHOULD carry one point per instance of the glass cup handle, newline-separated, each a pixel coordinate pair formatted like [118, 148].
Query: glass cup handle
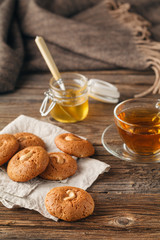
[43, 109]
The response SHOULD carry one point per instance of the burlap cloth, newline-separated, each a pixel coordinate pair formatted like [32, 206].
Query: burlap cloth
[81, 35]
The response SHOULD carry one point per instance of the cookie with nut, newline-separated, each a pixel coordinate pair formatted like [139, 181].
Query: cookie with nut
[74, 145]
[61, 166]
[26, 139]
[8, 147]
[69, 203]
[27, 164]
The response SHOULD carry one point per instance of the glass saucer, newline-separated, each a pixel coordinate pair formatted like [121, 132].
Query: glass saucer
[114, 145]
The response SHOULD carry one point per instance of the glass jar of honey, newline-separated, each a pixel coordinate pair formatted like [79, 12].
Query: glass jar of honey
[71, 104]
[68, 97]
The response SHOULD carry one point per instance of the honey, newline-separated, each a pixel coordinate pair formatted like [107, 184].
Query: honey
[67, 97]
[74, 108]
[71, 104]
[140, 129]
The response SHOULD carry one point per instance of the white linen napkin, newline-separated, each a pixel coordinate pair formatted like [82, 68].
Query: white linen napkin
[31, 194]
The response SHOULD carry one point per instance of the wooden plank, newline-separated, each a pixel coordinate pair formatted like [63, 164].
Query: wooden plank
[126, 198]
[41, 81]
[113, 217]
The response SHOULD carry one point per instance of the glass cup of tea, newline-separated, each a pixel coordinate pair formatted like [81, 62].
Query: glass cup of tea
[138, 124]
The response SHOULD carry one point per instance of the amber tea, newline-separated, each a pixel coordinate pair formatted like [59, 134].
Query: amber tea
[139, 128]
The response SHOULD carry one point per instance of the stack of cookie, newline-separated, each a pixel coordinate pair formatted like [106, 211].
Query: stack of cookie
[27, 158]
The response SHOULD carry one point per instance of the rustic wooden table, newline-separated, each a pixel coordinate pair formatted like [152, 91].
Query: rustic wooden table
[127, 198]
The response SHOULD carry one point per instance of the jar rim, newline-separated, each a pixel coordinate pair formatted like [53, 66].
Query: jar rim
[69, 75]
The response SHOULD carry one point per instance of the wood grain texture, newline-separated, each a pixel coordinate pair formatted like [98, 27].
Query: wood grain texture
[127, 198]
